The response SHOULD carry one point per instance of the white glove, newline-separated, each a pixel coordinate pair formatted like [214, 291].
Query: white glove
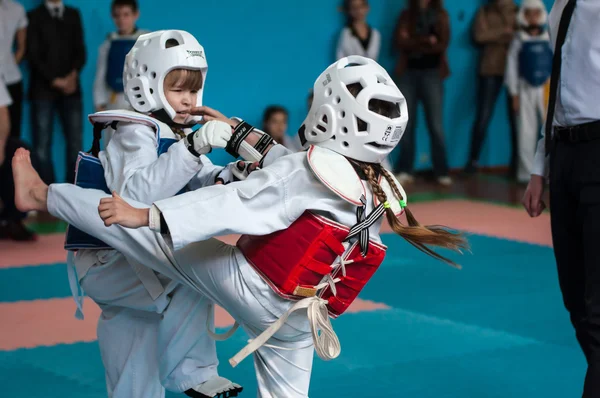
[214, 134]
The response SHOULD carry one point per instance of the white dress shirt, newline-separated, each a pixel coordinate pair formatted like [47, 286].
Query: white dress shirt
[577, 96]
[12, 19]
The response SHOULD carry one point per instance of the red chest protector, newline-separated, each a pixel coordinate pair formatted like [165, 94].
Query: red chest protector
[304, 260]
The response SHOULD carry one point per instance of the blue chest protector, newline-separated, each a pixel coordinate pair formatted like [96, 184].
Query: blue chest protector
[535, 62]
[119, 47]
[90, 173]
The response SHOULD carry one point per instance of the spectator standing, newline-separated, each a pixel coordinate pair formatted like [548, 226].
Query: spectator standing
[422, 36]
[494, 28]
[56, 55]
[358, 37]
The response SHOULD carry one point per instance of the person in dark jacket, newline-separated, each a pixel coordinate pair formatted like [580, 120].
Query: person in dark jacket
[56, 55]
[422, 37]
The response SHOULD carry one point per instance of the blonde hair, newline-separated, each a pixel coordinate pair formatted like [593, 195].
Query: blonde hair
[184, 79]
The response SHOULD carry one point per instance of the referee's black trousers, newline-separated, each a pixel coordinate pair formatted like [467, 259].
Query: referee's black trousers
[575, 219]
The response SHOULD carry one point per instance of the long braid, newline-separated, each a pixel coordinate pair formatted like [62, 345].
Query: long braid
[417, 235]
[412, 221]
[372, 178]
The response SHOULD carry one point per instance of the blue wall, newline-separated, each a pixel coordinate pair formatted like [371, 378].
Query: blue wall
[271, 51]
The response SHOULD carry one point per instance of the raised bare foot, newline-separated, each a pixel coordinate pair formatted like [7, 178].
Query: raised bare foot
[30, 191]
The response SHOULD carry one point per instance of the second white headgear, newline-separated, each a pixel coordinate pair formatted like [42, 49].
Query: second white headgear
[532, 5]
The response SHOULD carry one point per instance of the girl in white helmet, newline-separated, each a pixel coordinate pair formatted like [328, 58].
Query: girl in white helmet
[150, 330]
[528, 69]
[309, 222]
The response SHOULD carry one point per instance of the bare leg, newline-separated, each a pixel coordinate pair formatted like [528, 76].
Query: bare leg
[31, 193]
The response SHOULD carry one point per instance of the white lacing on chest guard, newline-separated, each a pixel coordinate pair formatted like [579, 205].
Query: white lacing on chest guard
[330, 280]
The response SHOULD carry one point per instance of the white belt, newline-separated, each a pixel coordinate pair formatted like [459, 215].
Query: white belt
[327, 344]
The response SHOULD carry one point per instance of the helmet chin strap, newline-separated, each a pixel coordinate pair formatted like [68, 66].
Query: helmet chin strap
[302, 135]
[164, 117]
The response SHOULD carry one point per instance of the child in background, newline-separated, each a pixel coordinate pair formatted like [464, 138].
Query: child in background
[358, 37]
[275, 123]
[528, 69]
[108, 85]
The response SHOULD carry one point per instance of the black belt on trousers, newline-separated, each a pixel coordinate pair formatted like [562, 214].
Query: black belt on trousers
[580, 133]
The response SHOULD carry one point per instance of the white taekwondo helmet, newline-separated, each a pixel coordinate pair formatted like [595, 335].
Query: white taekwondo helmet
[343, 122]
[149, 62]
